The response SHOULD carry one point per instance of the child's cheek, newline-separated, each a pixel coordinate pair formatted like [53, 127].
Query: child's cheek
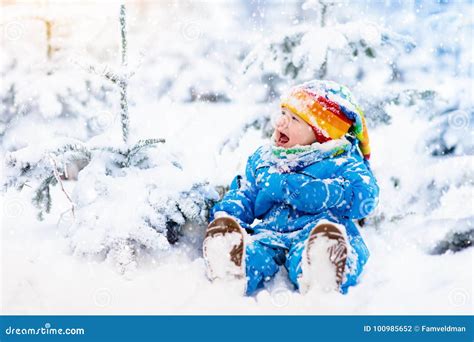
[293, 137]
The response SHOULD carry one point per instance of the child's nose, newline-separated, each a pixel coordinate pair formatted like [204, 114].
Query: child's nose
[282, 122]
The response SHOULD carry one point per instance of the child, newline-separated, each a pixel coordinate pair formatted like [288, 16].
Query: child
[302, 191]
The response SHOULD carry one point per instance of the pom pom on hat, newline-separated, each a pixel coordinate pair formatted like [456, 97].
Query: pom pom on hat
[330, 109]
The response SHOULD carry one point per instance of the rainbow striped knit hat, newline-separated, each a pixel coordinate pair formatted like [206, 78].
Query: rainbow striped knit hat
[330, 109]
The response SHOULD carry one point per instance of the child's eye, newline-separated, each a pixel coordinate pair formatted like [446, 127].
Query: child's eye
[294, 118]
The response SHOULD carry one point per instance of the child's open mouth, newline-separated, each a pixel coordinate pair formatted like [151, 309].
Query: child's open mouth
[282, 139]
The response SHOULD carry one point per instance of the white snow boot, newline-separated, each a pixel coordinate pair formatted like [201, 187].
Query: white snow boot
[324, 258]
[224, 250]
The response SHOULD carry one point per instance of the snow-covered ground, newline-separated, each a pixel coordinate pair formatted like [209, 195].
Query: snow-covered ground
[41, 276]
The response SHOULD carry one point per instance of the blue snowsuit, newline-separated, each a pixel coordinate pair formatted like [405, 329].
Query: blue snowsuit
[288, 204]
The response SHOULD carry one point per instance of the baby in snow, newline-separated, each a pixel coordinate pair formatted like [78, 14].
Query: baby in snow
[296, 203]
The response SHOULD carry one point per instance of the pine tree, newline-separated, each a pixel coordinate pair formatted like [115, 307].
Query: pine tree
[152, 218]
[123, 84]
[306, 52]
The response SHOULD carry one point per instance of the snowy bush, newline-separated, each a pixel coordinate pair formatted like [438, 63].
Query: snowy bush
[129, 198]
[51, 98]
[126, 200]
[341, 52]
[421, 175]
[41, 167]
[123, 211]
[201, 73]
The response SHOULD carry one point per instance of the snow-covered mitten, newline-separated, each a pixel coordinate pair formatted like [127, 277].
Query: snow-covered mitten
[224, 249]
[324, 258]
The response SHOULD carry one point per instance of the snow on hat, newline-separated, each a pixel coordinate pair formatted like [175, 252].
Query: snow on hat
[330, 109]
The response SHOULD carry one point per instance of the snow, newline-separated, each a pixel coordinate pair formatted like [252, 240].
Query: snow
[400, 277]
[50, 267]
